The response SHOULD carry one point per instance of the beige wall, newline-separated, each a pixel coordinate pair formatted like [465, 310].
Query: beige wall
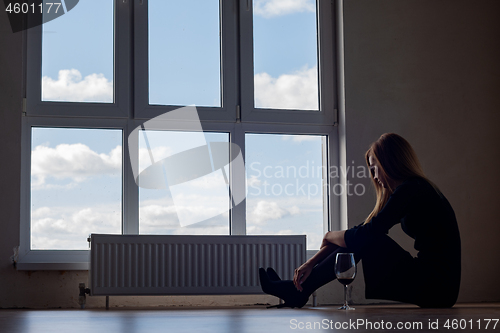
[10, 154]
[428, 70]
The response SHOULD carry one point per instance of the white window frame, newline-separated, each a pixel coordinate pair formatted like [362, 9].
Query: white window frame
[123, 115]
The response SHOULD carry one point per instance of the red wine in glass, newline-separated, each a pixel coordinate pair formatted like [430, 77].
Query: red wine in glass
[345, 270]
[345, 282]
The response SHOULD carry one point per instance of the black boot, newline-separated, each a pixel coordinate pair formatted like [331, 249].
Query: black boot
[273, 276]
[283, 289]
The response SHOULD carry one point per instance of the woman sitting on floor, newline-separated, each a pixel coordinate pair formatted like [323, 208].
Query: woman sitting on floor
[406, 196]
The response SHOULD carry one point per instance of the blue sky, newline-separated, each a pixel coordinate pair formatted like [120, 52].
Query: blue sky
[184, 56]
[283, 44]
[77, 65]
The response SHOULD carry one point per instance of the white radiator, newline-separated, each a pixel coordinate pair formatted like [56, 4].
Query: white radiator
[189, 265]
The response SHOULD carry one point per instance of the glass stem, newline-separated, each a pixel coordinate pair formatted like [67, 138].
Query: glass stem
[345, 295]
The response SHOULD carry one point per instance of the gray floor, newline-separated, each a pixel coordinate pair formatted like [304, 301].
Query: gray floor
[255, 319]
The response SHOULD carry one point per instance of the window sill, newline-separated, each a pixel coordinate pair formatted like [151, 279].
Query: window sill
[54, 260]
[49, 266]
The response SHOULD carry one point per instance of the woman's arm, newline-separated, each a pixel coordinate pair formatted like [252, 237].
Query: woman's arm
[335, 237]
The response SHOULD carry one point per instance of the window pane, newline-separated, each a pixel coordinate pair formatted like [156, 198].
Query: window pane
[285, 54]
[76, 186]
[195, 206]
[77, 54]
[285, 185]
[184, 52]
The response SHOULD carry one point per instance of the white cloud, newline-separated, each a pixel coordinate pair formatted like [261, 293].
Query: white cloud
[253, 181]
[161, 215]
[294, 210]
[193, 208]
[285, 232]
[203, 230]
[261, 209]
[290, 215]
[69, 227]
[74, 161]
[265, 210]
[271, 8]
[300, 138]
[190, 202]
[70, 87]
[314, 240]
[158, 153]
[210, 182]
[40, 212]
[289, 91]
[154, 216]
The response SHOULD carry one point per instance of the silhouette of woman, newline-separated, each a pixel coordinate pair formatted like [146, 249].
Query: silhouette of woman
[406, 196]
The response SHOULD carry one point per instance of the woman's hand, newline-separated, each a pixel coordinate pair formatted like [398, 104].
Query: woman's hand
[331, 241]
[301, 275]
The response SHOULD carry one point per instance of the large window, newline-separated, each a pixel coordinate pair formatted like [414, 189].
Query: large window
[261, 75]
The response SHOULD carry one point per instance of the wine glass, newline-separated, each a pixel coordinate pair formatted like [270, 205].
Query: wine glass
[345, 270]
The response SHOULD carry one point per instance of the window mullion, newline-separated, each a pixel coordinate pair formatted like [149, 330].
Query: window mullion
[25, 216]
[238, 185]
[332, 206]
[130, 201]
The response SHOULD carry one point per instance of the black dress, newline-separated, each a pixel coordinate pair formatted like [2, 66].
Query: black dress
[432, 279]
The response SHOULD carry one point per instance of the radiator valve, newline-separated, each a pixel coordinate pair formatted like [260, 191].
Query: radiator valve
[15, 256]
[82, 298]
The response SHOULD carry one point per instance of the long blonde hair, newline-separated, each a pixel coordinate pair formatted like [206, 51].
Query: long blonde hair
[398, 162]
